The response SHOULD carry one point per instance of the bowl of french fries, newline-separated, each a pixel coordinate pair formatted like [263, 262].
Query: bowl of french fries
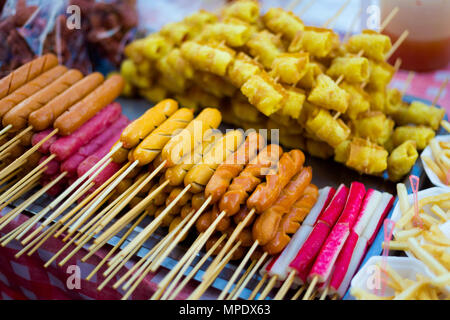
[398, 278]
[436, 161]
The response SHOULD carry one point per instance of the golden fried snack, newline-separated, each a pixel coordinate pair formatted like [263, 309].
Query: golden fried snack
[264, 93]
[420, 134]
[211, 57]
[313, 69]
[401, 160]
[292, 141]
[169, 78]
[393, 101]
[419, 113]
[200, 19]
[332, 131]
[293, 104]
[328, 95]
[319, 149]
[317, 41]
[155, 93]
[381, 74]
[283, 22]
[375, 126]
[243, 110]
[245, 10]
[195, 98]
[266, 47]
[234, 35]
[178, 32]
[366, 157]
[377, 99]
[130, 73]
[374, 45]
[342, 151]
[358, 102]
[178, 63]
[213, 84]
[242, 68]
[354, 69]
[290, 68]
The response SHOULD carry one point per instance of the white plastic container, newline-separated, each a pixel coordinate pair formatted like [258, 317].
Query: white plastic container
[427, 153]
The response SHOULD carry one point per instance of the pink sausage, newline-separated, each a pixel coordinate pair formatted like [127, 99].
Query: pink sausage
[52, 167]
[68, 145]
[334, 209]
[37, 137]
[343, 261]
[352, 207]
[71, 164]
[57, 188]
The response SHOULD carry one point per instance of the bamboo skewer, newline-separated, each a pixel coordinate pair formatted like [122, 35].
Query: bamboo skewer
[324, 293]
[189, 255]
[36, 240]
[205, 284]
[306, 7]
[116, 246]
[258, 286]
[234, 295]
[16, 163]
[241, 279]
[337, 14]
[311, 288]
[6, 152]
[238, 270]
[397, 44]
[268, 288]
[15, 139]
[5, 130]
[293, 4]
[284, 289]
[298, 293]
[441, 89]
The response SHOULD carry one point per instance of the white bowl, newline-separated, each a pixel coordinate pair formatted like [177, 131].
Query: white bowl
[431, 175]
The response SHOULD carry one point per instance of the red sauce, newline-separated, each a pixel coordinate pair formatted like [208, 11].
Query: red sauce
[422, 56]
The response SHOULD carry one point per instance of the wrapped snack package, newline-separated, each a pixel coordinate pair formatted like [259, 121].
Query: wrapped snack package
[374, 45]
[282, 22]
[332, 131]
[367, 157]
[375, 126]
[420, 134]
[317, 41]
[264, 93]
[401, 160]
[328, 95]
[354, 69]
[419, 113]
[290, 68]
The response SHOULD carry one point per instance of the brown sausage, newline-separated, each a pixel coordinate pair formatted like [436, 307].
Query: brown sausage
[267, 193]
[18, 116]
[207, 218]
[26, 73]
[85, 109]
[183, 200]
[248, 179]
[121, 155]
[30, 88]
[233, 165]
[44, 117]
[198, 200]
[291, 221]
[186, 210]
[266, 225]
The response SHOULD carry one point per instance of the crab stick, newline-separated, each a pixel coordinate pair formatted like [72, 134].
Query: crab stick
[385, 205]
[325, 196]
[334, 209]
[370, 204]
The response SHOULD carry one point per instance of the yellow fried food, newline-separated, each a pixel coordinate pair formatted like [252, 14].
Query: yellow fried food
[328, 95]
[243, 110]
[317, 41]
[332, 131]
[359, 101]
[313, 69]
[283, 22]
[374, 45]
[177, 32]
[211, 57]
[129, 72]
[195, 98]
[214, 84]
[234, 35]
[375, 126]
[178, 63]
[342, 151]
[377, 100]
[366, 157]
[264, 93]
[242, 68]
[420, 134]
[319, 149]
[265, 46]
[393, 101]
[292, 141]
[293, 104]
[289, 68]
[154, 94]
[154, 46]
[169, 77]
[401, 160]
[200, 19]
[353, 69]
[245, 10]
[419, 113]
[381, 74]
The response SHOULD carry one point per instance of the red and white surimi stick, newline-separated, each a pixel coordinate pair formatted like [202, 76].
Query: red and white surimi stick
[280, 265]
[325, 196]
[71, 164]
[64, 147]
[353, 205]
[311, 248]
[387, 200]
[368, 207]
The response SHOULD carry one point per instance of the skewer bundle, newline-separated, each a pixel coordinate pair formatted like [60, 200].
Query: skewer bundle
[272, 71]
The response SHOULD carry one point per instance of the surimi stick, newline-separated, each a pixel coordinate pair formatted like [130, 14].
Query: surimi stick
[376, 220]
